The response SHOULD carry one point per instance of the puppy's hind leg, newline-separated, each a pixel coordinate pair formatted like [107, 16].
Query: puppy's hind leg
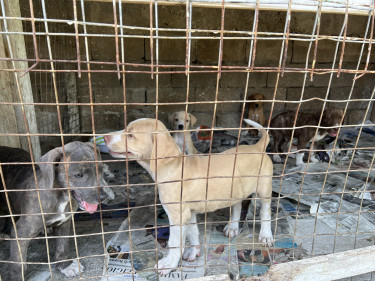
[27, 227]
[232, 229]
[277, 139]
[193, 251]
[265, 234]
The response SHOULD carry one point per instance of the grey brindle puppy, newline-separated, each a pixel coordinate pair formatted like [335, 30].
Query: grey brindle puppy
[55, 200]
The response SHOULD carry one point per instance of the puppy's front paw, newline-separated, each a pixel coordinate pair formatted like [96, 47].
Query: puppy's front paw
[166, 265]
[72, 270]
[191, 253]
[265, 237]
[231, 230]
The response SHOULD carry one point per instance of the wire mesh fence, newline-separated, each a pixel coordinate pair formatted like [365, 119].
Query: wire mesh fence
[137, 202]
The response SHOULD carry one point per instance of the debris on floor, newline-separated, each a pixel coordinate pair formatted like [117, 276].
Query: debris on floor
[315, 211]
[241, 256]
[135, 244]
[222, 139]
[367, 191]
[335, 191]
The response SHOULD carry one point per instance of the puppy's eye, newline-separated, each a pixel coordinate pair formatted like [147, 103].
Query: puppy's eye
[187, 121]
[130, 135]
[176, 120]
[78, 175]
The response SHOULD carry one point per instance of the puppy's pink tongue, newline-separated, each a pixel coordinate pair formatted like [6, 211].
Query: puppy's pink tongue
[91, 208]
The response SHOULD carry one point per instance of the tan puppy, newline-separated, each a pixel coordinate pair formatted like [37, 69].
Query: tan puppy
[148, 139]
[256, 112]
[177, 122]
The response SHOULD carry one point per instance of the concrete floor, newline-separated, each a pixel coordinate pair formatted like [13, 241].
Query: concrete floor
[88, 246]
[91, 246]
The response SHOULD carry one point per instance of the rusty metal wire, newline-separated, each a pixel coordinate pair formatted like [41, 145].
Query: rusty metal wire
[46, 63]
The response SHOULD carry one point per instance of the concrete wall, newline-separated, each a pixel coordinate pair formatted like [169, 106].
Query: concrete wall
[44, 90]
[140, 88]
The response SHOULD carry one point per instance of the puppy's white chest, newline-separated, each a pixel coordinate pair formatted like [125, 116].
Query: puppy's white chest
[179, 139]
[255, 117]
[318, 137]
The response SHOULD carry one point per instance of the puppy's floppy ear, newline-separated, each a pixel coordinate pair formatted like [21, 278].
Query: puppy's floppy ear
[171, 118]
[263, 97]
[163, 146]
[97, 149]
[193, 120]
[48, 170]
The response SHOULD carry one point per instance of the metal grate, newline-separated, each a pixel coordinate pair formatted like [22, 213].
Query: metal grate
[82, 69]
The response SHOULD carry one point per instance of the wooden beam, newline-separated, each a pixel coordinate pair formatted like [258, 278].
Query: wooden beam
[355, 7]
[22, 85]
[327, 267]
[70, 81]
[8, 121]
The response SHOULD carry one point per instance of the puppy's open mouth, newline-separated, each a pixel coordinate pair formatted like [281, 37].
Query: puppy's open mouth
[118, 154]
[333, 133]
[83, 205]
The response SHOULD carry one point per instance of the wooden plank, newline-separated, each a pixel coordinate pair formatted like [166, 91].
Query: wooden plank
[73, 125]
[355, 7]
[327, 267]
[8, 121]
[23, 89]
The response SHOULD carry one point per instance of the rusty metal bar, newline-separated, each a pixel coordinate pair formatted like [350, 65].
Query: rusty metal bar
[55, 68]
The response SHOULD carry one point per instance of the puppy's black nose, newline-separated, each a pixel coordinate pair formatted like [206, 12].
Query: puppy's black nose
[180, 126]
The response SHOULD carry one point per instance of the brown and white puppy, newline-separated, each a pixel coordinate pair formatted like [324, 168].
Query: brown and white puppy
[256, 112]
[330, 120]
[149, 142]
[177, 122]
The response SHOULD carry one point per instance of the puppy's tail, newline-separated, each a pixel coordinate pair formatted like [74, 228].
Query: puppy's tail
[263, 142]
